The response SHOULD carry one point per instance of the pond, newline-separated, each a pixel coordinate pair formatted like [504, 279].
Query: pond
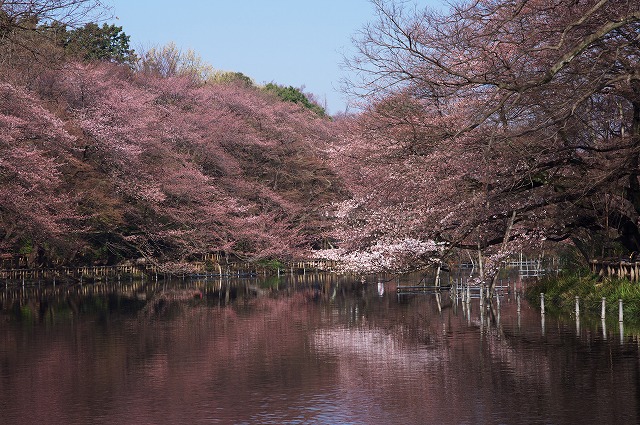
[313, 349]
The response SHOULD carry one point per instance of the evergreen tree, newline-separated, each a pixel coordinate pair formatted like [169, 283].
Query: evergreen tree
[92, 42]
[292, 94]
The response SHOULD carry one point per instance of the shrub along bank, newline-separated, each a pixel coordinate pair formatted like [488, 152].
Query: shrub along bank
[561, 291]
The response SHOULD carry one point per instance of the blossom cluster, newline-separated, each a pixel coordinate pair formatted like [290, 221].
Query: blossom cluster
[391, 256]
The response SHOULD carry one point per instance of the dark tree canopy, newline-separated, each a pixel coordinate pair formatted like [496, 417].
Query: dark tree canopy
[33, 31]
[495, 124]
[18, 17]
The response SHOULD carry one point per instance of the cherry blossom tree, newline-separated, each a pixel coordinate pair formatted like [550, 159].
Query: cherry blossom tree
[149, 162]
[195, 168]
[35, 208]
[495, 124]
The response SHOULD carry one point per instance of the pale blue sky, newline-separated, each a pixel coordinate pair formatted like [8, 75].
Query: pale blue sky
[289, 42]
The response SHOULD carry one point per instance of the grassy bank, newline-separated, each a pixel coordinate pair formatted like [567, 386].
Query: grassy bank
[561, 291]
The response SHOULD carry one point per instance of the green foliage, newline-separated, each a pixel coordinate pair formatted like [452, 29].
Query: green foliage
[226, 77]
[560, 293]
[93, 42]
[272, 282]
[292, 94]
[272, 264]
[26, 248]
[26, 314]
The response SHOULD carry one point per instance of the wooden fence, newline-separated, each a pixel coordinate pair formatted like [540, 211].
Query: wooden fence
[95, 272]
[620, 269]
[155, 272]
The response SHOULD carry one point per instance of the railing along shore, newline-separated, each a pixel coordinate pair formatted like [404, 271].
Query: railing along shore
[155, 271]
[616, 268]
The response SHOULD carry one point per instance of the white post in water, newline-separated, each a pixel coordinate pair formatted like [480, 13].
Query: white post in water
[518, 301]
[620, 313]
[603, 311]
[621, 326]
[577, 306]
[542, 302]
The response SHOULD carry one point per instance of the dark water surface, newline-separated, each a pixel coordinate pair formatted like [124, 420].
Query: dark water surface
[314, 351]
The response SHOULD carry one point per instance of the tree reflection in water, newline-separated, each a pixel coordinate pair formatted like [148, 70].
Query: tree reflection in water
[314, 350]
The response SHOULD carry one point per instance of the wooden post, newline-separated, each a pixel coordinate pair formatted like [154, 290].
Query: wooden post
[620, 270]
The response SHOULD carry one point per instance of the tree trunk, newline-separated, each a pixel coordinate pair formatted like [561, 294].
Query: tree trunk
[630, 236]
[480, 265]
[505, 241]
